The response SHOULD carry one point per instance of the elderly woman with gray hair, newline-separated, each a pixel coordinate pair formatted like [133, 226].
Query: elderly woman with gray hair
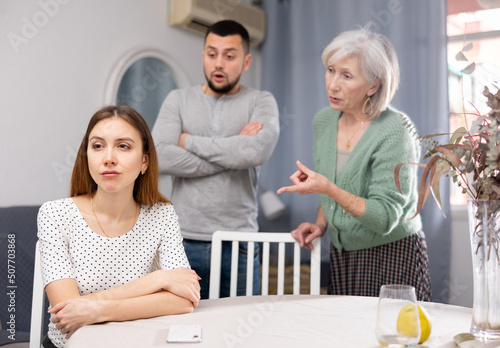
[358, 142]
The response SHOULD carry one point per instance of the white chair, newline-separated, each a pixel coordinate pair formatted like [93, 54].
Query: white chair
[37, 304]
[266, 238]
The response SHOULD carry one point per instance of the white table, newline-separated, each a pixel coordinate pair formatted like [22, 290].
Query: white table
[273, 321]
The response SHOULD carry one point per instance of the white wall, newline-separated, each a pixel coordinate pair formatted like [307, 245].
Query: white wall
[56, 57]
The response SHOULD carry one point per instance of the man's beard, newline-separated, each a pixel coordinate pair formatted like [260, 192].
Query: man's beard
[224, 89]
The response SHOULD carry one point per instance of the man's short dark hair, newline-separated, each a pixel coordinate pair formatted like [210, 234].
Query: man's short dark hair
[229, 27]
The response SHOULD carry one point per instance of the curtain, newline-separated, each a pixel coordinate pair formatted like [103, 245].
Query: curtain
[297, 32]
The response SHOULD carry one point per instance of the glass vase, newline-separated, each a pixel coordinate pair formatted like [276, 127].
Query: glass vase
[484, 228]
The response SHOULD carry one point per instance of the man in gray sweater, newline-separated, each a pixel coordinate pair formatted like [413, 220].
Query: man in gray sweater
[212, 139]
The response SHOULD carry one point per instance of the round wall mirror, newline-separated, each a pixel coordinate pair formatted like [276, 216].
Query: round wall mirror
[142, 80]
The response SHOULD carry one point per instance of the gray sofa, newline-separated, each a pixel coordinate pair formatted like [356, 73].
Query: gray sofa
[18, 232]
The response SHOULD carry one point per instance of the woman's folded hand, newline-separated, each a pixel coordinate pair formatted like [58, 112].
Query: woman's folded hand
[182, 282]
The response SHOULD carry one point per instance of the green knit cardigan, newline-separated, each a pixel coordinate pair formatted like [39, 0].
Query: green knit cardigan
[369, 173]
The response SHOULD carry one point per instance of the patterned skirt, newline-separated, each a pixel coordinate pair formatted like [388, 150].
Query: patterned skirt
[363, 272]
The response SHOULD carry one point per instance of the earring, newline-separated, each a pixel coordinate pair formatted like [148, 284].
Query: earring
[143, 171]
[364, 107]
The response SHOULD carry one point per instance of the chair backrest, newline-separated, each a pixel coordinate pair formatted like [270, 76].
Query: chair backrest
[266, 238]
[37, 304]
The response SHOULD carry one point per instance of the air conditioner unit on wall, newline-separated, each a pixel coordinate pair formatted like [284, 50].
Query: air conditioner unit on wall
[198, 15]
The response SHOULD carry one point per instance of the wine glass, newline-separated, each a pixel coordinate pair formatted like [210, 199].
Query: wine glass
[398, 323]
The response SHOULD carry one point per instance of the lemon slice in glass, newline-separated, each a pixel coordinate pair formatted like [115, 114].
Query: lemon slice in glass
[407, 322]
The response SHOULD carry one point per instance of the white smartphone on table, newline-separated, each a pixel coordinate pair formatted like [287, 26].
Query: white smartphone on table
[184, 334]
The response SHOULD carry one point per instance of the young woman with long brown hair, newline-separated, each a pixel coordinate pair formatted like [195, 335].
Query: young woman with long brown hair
[113, 250]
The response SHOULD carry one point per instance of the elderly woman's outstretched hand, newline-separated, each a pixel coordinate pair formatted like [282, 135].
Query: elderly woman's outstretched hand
[307, 181]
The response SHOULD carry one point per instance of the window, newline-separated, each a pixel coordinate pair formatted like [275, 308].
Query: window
[144, 87]
[469, 21]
